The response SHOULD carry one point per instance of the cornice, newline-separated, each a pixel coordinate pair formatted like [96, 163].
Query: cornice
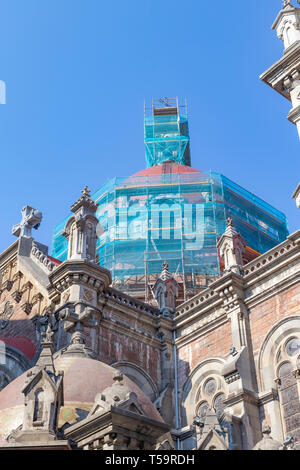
[267, 397]
[269, 292]
[294, 115]
[114, 296]
[77, 272]
[275, 75]
[272, 261]
[9, 254]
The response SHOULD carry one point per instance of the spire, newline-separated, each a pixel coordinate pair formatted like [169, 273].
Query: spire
[45, 360]
[165, 274]
[81, 229]
[232, 246]
[43, 397]
[165, 291]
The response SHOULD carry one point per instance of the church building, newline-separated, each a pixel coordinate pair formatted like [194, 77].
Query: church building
[167, 315]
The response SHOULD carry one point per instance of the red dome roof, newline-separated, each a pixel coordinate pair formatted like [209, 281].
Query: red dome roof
[166, 168]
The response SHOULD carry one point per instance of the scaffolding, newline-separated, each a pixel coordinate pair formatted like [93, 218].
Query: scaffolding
[174, 217]
[166, 132]
[172, 212]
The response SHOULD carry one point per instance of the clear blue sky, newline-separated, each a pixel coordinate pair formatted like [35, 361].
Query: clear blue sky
[78, 71]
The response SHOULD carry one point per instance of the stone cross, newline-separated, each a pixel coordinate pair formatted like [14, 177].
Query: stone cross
[31, 218]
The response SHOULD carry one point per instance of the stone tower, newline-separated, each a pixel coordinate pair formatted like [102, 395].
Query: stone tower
[284, 75]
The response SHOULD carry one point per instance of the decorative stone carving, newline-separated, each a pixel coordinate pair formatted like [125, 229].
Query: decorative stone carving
[42, 323]
[76, 317]
[6, 314]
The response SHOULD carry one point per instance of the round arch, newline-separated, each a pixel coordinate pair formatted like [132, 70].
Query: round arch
[282, 329]
[138, 376]
[202, 371]
[12, 363]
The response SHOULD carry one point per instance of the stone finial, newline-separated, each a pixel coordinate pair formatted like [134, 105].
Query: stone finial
[47, 335]
[81, 229]
[45, 360]
[165, 274]
[31, 218]
[85, 200]
[232, 246]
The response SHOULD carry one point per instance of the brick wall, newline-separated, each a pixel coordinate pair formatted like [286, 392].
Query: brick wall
[119, 347]
[215, 343]
[264, 316]
[20, 324]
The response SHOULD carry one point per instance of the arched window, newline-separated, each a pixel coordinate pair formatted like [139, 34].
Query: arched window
[38, 405]
[287, 379]
[210, 396]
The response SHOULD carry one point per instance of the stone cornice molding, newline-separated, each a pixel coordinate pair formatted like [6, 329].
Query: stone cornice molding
[282, 69]
[268, 292]
[118, 297]
[294, 115]
[183, 433]
[267, 397]
[241, 396]
[9, 254]
[77, 272]
[203, 300]
[273, 260]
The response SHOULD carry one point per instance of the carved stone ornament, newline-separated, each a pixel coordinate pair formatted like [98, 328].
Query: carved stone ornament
[88, 295]
[6, 314]
[65, 297]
